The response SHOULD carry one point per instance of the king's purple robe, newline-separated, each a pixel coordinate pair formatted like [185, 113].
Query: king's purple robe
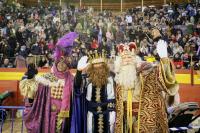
[49, 112]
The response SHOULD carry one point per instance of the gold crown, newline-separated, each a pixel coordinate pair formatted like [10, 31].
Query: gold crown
[155, 33]
[95, 57]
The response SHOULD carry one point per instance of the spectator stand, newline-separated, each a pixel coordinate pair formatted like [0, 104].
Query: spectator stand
[37, 59]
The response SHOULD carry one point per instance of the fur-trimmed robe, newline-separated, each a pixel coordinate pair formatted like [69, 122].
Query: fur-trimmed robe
[50, 110]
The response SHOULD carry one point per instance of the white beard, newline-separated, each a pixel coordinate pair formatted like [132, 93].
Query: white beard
[127, 76]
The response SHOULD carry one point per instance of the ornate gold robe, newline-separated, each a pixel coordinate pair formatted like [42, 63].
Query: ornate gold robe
[152, 116]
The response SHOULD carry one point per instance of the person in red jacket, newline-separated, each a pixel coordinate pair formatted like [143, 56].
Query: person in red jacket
[94, 44]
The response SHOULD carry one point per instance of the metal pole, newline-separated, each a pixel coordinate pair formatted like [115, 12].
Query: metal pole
[101, 5]
[121, 5]
[2, 120]
[35, 56]
[192, 70]
[60, 9]
[12, 121]
[142, 4]
[22, 128]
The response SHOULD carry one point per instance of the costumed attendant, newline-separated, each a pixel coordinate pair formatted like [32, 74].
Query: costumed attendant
[140, 105]
[93, 105]
[28, 85]
[50, 110]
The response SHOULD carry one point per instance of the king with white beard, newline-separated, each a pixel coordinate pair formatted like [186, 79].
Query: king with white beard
[125, 69]
[140, 106]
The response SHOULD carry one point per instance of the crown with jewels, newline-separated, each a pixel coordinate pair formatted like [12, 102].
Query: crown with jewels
[127, 53]
[97, 57]
[155, 33]
[127, 49]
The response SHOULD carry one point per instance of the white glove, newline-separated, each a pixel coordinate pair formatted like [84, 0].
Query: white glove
[162, 48]
[82, 63]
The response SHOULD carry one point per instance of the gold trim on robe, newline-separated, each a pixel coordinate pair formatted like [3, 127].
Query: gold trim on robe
[152, 116]
[119, 110]
[63, 114]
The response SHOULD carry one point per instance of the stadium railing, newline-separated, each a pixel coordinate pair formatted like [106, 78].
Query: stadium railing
[4, 117]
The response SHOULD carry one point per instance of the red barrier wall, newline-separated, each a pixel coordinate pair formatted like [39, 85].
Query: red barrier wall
[187, 92]
[10, 86]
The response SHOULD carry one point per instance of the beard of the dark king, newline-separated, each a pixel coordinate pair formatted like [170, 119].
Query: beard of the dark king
[98, 76]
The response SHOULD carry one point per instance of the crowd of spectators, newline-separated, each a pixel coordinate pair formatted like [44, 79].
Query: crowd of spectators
[28, 35]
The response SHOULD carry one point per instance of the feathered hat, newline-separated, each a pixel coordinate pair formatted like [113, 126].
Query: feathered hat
[64, 45]
[63, 50]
